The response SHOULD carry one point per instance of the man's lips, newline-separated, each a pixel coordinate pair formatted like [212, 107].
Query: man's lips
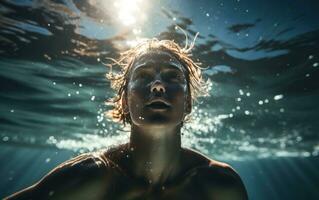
[158, 104]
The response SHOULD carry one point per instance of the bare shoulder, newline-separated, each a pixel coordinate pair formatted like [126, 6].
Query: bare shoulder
[217, 180]
[72, 175]
[221, 181]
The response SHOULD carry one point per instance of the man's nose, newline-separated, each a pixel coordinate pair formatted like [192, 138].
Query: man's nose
[158, 86]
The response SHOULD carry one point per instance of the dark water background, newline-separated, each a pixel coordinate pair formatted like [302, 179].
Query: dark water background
[262, 60]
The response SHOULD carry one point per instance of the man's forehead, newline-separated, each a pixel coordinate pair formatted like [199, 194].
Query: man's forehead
[157, 58]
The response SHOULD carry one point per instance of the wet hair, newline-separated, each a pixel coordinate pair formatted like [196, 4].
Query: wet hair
[119, 81]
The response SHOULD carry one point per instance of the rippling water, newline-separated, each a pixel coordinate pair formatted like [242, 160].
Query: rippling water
[262, 63]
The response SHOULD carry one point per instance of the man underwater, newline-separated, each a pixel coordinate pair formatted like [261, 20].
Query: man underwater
[155, 90]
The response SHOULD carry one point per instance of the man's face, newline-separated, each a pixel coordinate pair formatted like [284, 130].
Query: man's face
[157, 93]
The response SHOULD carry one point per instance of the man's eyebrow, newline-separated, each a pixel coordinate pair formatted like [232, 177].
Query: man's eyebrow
[168, 65]
[173, 66]
[141, 66]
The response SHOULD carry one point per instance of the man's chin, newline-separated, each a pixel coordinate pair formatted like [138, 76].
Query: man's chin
[158, 121]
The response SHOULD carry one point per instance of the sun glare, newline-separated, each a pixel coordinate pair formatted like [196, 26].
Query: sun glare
[129, 12]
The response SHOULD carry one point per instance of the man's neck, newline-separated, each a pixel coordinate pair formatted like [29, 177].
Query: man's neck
[156, 153]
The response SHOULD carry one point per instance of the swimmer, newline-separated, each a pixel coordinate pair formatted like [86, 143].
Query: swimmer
[155, 90]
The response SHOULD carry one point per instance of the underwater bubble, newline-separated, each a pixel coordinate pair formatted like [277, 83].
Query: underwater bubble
[238, 107]
[5, 138]
[278, 97]
[241, 92]
[52, 140]
[315, 64]
[238, 99]
[92, 98]
[77, 92]
[248, 94]
[54, 83]
[51, 193]
[69, 94]
[247, 112]
[80, 85]
[307, 75]
[282, 110]
[310, 57]
[260, 102]
[74, 118]
[266, 101]
[12, 110]
[47, 160]
[207, 14]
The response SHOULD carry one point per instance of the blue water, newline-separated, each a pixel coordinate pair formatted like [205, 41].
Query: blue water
[262, 63]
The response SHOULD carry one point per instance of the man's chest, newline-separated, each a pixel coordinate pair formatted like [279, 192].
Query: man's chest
[127, 189]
